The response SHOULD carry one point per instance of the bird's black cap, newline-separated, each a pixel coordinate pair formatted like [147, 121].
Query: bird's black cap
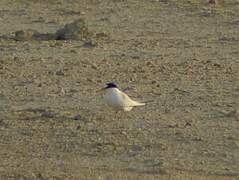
[110, 85]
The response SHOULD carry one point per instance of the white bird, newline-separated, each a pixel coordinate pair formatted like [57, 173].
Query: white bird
[117, 99]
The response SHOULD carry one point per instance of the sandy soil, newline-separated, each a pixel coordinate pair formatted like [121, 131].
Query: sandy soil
[184, 55]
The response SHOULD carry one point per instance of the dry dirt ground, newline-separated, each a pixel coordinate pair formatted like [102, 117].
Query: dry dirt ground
[182, 54]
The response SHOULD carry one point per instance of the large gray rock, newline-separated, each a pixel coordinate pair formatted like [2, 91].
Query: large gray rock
[77, 30]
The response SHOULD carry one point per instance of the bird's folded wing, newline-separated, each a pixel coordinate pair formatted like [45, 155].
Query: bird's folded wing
[129, 102]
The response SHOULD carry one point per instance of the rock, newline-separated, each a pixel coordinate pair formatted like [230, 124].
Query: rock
[45, 37]
[89, 44]
[25, 35]
[153, 82]
[60, 73]
[94, 66]
[77, 117]
[47, 114]
[101, 35]
[77, 30]
[213, 1]
[28, 35]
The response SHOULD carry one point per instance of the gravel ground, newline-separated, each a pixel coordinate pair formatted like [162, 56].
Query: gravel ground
[183, 55]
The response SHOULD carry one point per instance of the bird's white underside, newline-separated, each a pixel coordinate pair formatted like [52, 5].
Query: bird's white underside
[119, 100]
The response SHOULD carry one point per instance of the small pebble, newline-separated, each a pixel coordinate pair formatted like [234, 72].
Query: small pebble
[153, 82]
[213, 1]
[47, 114]
[60, 73]
[77, 117]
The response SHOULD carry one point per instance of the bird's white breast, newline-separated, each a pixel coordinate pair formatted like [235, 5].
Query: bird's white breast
[113, 98]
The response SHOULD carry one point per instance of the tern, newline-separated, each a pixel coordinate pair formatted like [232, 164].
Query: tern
[117, 99]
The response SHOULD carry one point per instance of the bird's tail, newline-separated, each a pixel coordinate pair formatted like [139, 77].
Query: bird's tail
[142, 103]
[138, 104]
